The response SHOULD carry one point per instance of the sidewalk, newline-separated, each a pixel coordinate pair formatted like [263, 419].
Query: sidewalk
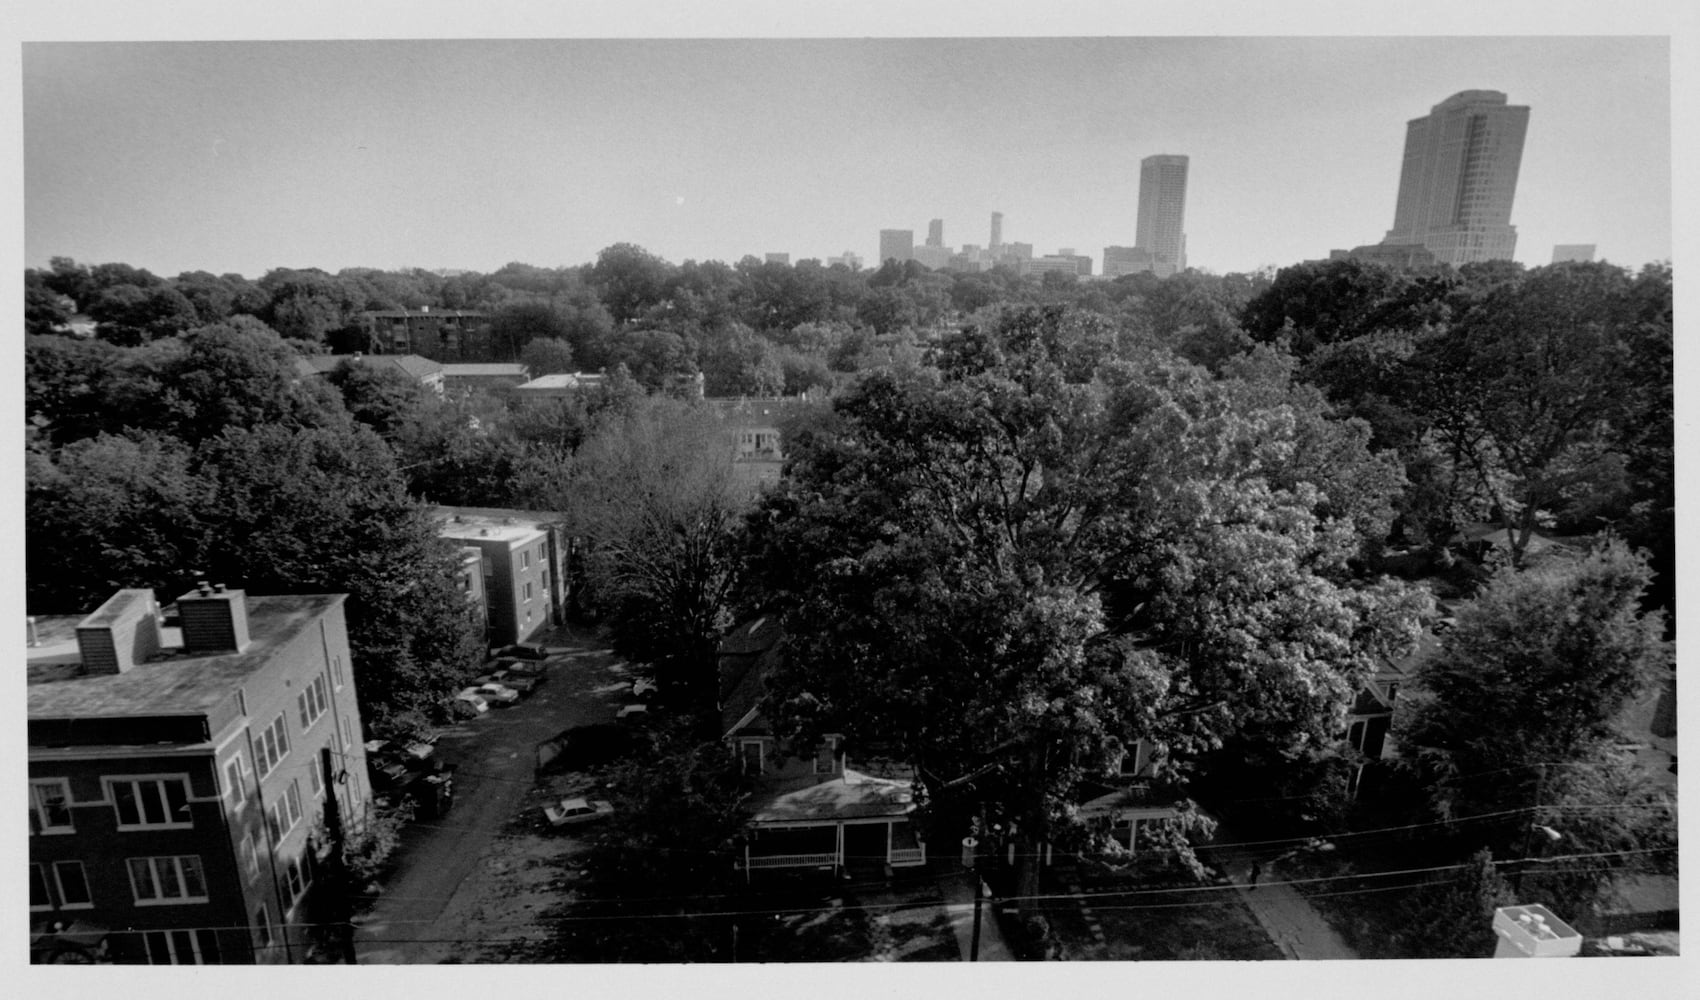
[958, 892]
[1293, 925]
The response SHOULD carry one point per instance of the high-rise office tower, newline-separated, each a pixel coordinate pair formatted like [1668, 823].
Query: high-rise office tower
[1458, 178]
[935, 233]
[997, 232]
[1162, 212]
[897, 244]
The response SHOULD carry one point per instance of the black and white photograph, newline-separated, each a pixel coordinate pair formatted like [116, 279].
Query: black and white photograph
[670, 497]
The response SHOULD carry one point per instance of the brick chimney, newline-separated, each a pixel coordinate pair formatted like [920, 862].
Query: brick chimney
[215, 619]
[120, 634]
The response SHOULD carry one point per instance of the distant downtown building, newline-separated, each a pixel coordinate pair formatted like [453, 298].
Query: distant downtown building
[997, 232]
[897, 244]
[935, 233]
[1162, 212]
[778, 258]
[1459, 177]
[848, 258]
[1572, 253]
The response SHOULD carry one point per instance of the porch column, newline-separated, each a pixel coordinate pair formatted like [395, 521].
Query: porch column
[747, 858]
[888, 827]
[838, 862]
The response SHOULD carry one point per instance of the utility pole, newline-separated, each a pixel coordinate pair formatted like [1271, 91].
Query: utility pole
[341, 906]
[969, 847]
[1529, 828]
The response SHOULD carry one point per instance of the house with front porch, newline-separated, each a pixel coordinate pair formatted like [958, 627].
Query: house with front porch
[811, 810]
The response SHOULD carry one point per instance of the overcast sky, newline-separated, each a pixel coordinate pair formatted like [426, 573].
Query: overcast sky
[243, 156]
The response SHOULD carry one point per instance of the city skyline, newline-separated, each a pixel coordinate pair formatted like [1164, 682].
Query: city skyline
[462, 154]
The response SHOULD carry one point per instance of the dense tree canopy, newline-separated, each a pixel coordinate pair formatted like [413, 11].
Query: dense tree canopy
[1017, 565]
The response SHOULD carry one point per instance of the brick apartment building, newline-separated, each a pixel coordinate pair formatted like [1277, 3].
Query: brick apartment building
[522, 562]
[438, 334]
[175, 782]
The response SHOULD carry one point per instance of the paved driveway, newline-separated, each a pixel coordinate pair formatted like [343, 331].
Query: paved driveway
[494, 757]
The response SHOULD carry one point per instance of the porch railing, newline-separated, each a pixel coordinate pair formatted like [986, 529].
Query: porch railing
[901, 856]
[793, 860]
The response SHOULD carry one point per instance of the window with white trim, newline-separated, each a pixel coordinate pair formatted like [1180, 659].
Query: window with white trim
[73, 885]
[39, 899]
[751, 750]
[298, 875]
[315, 776]
[150, 803]
[525, 559]
[313, 702]
[167, 880]
[262, 927]
[347, 736]
[181, 947]
[236, 781]
[528, 591]
[270, 746]
[336, 671]
[284, 812]
[50, 806]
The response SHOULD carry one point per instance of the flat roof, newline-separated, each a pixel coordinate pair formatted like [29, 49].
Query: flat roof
[476, 528]
[469, 370]
[176, 684]
[574, 380]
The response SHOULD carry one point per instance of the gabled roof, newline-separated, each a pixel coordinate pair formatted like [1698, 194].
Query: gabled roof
[853, 796]
[745, 656]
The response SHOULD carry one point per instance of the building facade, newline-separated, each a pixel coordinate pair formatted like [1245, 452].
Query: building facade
[1127, 260]
[997, 232]
[1459, 177]
[522, 566]
[1572, 253]
[1162, 212]
[897, 244]
[176, 776]
[935, 233]
[438, 334]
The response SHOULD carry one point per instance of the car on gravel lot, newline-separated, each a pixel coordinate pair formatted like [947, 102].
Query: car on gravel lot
[643, 687]
[522, 668]
[471, 697]
[571, 812]
[524, 651]
[498, 694]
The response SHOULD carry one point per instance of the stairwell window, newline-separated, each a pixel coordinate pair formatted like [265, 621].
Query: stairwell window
[151, 803]
[313, 702]
[284, 813]
[271, 746]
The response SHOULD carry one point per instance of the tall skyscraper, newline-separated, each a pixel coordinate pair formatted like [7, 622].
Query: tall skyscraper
[897, 244]
[997, 232]
[1458, 178]
[935, 233]
[1162, 212]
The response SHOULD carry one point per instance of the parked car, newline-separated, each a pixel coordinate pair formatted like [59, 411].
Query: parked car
[524, 651]
[523, 668]
[472, 697]
[498, 694]
[522, 683]
[570, 812]
[634, 715]
[643, 687]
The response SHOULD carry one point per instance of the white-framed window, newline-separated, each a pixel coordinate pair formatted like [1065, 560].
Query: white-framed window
[236, 781]
[39, 898]
[167, 880]
[826, 755]
[271, 746]
[181, 947]
[262, 927]
[313, 701]
[250, 857]
[347, 736]
[525, 559]
[528, 591]
[315, 777]
[336, 671]
[298, 875]
[542, 551]
[752, 754]
[284, 812]
[73, 885]
[50, 806]
[152, 803]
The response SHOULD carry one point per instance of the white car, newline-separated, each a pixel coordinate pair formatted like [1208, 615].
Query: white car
[473, 698]
[498, 694]
[636, 714]
[570, 811]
